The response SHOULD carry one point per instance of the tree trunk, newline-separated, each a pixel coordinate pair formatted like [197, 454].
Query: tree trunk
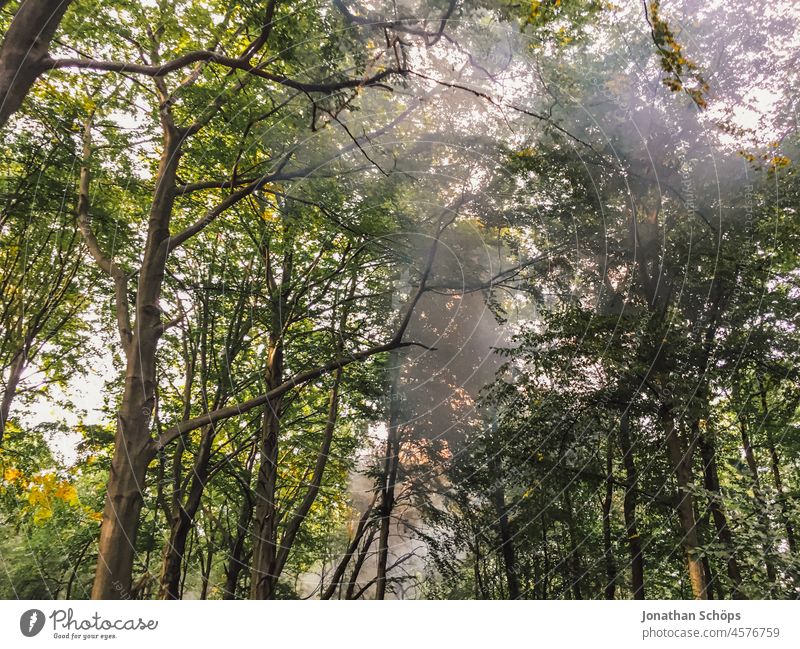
[681, 463]
[574, 557]
[629, 508]
[761, 504]
[506, 536]
[389, 477]
[362, 557]
[123, 503]
[776, 476]
[608, 552]
[14, 375]
[299, 515]
[709, 579]
[263, 581]
[711, 483]
[24, 50]
[207, 565]
[341, 568]
[235, 561]
[776, 468]
[133, 445]
[182, 520]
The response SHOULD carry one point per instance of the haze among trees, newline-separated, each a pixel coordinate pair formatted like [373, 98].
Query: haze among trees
[368, 300]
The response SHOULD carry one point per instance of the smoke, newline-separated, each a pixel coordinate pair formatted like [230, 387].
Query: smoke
[487, 91]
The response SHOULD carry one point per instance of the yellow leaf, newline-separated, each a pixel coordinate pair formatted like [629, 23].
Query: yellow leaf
[67, 493]
[42, 514]
[37, 497]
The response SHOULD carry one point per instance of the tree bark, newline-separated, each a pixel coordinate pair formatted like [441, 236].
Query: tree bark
[776, 476]
[629, 508]
[207, 565]
[776, 468]
[263, 582]
[608, 551]
[760, 503]
[235, 561]
[24, 50]
[711, 483]
[12, 381]
[341, 568]
[389, 477]
[574, 557]
[681, 464]
[506, 535]
[182, 520]
[133, 445]
[362, 557]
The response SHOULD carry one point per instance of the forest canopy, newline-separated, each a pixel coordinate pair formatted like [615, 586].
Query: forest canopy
[455, 299]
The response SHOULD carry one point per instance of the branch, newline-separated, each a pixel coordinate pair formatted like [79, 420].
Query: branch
[243, 63]
[227, 183]
[107, 265]
[504, 104]
[397, 563]
[496, 280]
[299, 515]
[271, 177]
[398, 25]
[301, 378]
[351, 549]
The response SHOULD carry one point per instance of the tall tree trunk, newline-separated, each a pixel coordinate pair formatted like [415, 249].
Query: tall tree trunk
[760, 504]
[703, 534]
[133, 445]
[506, 534]
[207, 564]
[389, 477]
[711, 482]
[681, 464]
[352, 548]
[608, 551]
[299, 515]
[776, 476]
[182, 520]
[235, 557]
[776, 467]
[363, 553]
[263, 582]
[629, 508]
[709, 579]
[124, 500]
[12, 381]
[23, 53]
[574, 557]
